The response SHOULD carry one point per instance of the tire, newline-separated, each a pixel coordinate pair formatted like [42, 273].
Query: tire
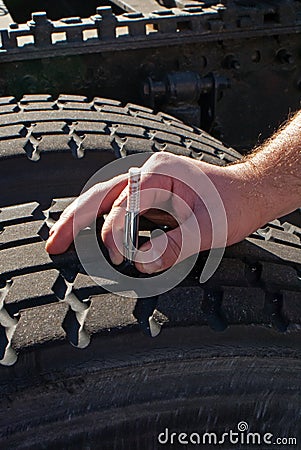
[228, 350]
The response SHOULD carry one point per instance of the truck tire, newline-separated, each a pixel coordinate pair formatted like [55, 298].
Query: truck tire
[227, 357]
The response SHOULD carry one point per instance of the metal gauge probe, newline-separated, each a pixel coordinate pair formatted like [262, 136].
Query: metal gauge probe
[131, 221]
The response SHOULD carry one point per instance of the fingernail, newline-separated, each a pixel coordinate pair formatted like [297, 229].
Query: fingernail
[54, 227]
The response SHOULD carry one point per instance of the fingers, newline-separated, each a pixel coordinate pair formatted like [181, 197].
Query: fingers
[97, 200]
[112, 233]
[113, 229]
[58, 242]
[170, 248]
[155, 190]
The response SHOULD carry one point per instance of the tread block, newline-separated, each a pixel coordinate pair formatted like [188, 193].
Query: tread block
[149, 116]
[171, 148]
[58, 205]
[162, 137]
[278, 275]
[139, 108]
[229, 271]
[54, 143]
[109, 311]
[168, 117]
[31, 258]
[72, 98]
[53, 127]
[9, 108]
[37, 106]
[12, 147]
[272, 251]
[113, 109]
[7, 100]
[244, 305]
[10, 214]
[40, 325]
[85, 287]
[96, 142]
[283, 236]
[73, 105]
[174, 123]
[105, 101]
[182, 305]
[12, 132]
[35, 98]
[31, 290]
[85, 127]
[19, 232]
[247, 247]
[128, 130]
[206, 145]
[131, 146]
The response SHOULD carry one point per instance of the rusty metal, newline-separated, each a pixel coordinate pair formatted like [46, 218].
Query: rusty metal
[194, 22]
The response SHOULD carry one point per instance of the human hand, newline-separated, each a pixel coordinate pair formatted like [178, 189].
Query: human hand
[195, 195]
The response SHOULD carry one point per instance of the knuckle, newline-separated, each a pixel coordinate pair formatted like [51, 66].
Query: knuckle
[160, 158]
[95, 189]
[119, 201]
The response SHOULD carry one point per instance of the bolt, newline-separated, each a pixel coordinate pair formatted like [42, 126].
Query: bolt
[230, 62]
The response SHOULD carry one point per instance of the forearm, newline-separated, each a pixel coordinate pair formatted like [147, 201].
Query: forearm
[273, 173]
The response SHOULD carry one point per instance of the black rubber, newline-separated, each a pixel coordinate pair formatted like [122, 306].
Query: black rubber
[228, 350]
[42, 142]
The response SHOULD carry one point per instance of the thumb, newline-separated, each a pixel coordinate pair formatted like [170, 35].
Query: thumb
[168, 249]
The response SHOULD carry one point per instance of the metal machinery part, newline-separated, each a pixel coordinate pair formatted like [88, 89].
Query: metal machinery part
[174, 55]
[187, 95]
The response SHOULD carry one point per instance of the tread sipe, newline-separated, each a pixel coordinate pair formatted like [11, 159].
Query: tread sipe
[79, 366]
